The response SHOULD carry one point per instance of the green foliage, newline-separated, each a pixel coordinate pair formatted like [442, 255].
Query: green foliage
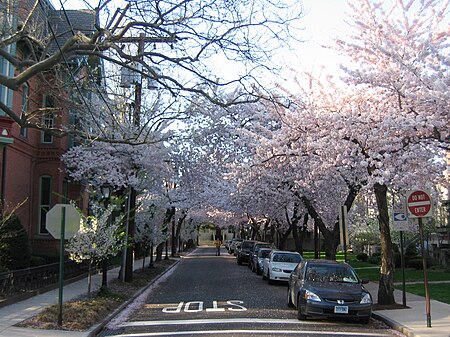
[14, 245]
[375, 258]
[362, 257]
[417, 262]
[410, 251]
[36, 261]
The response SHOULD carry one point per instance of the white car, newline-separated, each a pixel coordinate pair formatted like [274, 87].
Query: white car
[279, 265]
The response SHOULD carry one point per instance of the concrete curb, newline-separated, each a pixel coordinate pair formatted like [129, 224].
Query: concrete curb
[393, 324]
[92, 332]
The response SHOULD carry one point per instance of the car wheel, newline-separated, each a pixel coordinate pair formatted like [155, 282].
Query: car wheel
[300, 315]
[264, 276]
[258, 271]
[289, 299]
[239, 262]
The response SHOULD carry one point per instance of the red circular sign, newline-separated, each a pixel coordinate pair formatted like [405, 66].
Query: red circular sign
[419, 203]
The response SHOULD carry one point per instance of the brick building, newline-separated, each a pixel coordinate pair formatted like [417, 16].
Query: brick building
[32, 173]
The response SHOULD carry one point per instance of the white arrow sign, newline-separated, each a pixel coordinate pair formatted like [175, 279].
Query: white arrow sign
[400, 222]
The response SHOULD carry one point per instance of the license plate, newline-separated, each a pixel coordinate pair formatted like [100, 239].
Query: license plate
[341, 309]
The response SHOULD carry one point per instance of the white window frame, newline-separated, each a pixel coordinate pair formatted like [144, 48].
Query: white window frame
[44, 205]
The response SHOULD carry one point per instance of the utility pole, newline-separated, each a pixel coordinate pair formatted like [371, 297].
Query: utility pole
[129, 258]
[131, 223]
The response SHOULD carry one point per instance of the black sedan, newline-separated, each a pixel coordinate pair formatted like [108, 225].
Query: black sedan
[330, 289]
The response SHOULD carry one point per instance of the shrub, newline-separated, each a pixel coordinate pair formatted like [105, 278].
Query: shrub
[410, 251]
[362, 257]
[36, 261]
[415, 263]
[14, 245]
[374, 259]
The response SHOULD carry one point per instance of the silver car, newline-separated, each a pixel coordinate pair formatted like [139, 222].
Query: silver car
[279, 265]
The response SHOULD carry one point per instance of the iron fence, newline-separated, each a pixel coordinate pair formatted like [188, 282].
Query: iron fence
[29, 279]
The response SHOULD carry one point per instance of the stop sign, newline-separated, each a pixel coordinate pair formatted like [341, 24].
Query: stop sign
[71, 225]
[419, 204]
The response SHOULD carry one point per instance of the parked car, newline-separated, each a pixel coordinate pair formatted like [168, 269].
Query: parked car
[258, 259]
[254, 252]
[233, 245]
[328, 288]
[279, 265]
[243, 254]
[226, 244]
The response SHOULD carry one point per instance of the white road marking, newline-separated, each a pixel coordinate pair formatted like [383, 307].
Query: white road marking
[249, 332]
[215, 321]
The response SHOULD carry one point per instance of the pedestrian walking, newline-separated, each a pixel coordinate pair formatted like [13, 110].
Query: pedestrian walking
[218, 243]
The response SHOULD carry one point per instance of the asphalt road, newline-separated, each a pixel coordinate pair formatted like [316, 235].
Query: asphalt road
[208, 295]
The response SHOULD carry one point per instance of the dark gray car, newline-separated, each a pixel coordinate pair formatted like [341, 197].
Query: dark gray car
[258, 259]
[254, 252]
[328, 288]
[243, 253]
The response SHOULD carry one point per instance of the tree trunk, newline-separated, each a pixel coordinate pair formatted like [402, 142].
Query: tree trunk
[179, 226]
[159, 251]
[331, 236]
[89, 279]
[283, 239]
[298, 232]
[386, 285]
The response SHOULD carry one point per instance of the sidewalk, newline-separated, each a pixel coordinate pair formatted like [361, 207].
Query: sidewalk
[17, 312]
[412, 322]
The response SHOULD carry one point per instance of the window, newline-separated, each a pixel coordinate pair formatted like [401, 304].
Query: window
[48, 120]
[25, 91]
[6, 68]
[45, 192]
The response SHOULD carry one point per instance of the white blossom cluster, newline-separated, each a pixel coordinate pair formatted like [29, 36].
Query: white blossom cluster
[98, 237]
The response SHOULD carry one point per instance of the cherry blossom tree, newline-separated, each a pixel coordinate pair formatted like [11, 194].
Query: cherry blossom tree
[400, 60]
[98, 238]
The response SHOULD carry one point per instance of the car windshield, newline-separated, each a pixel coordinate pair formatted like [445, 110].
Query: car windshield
[263, 253]
[290, 258]
[247, 244]
[331, 273]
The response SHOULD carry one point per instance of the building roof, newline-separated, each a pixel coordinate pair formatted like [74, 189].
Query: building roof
[65, 27]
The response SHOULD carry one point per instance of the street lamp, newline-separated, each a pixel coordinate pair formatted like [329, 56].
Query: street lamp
[106, 191]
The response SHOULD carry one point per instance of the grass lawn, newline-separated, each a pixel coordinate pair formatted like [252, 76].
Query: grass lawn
[438, 292]
[411, 275]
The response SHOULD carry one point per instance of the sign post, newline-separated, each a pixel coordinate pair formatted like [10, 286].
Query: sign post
[62, 222]
[401, 224]
[419, 206]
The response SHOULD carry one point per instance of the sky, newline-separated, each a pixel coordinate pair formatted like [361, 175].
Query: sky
[323, 20]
